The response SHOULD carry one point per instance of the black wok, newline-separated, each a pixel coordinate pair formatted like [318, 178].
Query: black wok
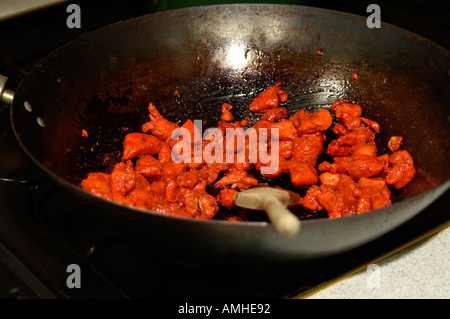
[103, 82]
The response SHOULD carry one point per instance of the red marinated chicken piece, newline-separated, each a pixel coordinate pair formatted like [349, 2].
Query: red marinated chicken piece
[138, 144]
[149, 167]
[356, 166]
[158, 125]
[226, 197]
[165, 153]
[365, 166]
[141, 195]
[199, 204]
[97, 184]
[303, 174]
[310, 200]
[341, 196]
[274, 115]
[394, 143]
[345, 145]
[188, 179]
[226, 116]
[123, 178]
[237, 179]
[171, 170]
[372, 193]
[338, 198]
[223, 126]
[305, 151]
[347, 114]
[308, 147]
[195, 135]
[312, 122]
[208, 206]
[372, 124]
[286, 130]
[285, 148]
[402, 169]
[269, 99]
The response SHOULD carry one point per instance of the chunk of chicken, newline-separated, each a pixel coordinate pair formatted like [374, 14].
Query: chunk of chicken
[312, 122]
[402, 169]
[268, 99]
[138, 144]
[158, 125]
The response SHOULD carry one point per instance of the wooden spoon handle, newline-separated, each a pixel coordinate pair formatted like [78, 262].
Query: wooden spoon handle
[284, 221]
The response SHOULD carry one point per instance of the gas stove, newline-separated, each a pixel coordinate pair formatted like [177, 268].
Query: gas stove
[45, 232]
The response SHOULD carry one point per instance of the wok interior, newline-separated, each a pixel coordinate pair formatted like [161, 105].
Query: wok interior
[104, 81]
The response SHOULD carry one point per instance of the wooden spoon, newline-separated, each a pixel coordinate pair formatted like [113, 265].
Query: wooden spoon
[274, 202]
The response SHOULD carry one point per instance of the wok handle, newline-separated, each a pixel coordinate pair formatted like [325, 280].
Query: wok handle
[6, 96]
[284, 221]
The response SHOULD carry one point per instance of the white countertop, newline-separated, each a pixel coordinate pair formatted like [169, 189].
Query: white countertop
[420, 271]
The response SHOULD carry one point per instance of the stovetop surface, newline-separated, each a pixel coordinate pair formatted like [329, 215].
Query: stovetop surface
[43, 229]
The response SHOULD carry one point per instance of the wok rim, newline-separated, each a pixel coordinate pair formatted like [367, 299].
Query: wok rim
[443, 186]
